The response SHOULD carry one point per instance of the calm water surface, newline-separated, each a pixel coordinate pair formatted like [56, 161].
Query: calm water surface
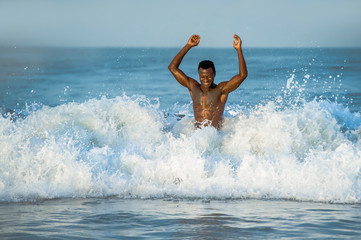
[178, 219]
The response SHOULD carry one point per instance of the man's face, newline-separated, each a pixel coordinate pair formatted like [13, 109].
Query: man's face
[206, 76]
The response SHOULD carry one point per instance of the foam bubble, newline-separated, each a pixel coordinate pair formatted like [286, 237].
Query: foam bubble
[127, 147]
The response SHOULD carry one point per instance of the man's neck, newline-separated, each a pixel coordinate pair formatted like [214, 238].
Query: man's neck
[207, 89]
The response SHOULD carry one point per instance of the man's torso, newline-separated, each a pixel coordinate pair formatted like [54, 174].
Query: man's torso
[208, 105]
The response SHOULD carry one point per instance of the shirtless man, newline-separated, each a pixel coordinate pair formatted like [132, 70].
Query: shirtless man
[208, 98]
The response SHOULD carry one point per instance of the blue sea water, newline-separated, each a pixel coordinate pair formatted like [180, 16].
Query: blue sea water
[99, 143]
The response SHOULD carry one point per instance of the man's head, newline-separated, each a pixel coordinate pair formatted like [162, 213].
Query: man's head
[205, 64]
[207, 72]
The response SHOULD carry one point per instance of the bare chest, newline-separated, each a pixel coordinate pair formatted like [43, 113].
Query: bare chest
[210, 100]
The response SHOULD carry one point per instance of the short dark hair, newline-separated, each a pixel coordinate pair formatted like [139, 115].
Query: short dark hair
[205, 64]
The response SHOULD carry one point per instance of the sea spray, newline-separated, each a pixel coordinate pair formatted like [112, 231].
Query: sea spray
[127, 147]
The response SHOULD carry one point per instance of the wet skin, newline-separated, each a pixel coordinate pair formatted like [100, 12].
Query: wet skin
[209, 99]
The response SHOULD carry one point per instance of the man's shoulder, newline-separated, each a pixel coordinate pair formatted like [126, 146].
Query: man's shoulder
[194, 83]
[221, 84]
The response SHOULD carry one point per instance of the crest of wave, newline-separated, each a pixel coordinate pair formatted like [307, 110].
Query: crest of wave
[57, 151]
[127, 148]
[306, 153]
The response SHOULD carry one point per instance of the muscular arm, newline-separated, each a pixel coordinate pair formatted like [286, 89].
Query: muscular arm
[236, 81]
[173, 67]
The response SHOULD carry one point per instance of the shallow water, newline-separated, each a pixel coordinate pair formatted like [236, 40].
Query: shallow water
[114, 218]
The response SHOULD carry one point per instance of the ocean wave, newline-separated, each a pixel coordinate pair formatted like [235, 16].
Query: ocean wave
[129, 148]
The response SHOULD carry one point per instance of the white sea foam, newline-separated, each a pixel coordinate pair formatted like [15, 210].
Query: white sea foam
[127, 147]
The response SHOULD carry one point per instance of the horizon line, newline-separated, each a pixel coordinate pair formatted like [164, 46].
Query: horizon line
[169, 47]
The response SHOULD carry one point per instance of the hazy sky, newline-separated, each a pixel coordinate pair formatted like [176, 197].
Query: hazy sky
[168, 23]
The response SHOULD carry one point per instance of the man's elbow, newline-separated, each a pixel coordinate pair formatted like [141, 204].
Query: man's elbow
[172, 69]
[243, 75]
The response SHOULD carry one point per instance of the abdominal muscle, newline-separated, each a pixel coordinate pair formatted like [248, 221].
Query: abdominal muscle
[208, 107]
[208, 116]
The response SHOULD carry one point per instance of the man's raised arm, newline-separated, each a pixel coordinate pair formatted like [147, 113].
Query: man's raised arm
[235, 81]
[174, 65]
